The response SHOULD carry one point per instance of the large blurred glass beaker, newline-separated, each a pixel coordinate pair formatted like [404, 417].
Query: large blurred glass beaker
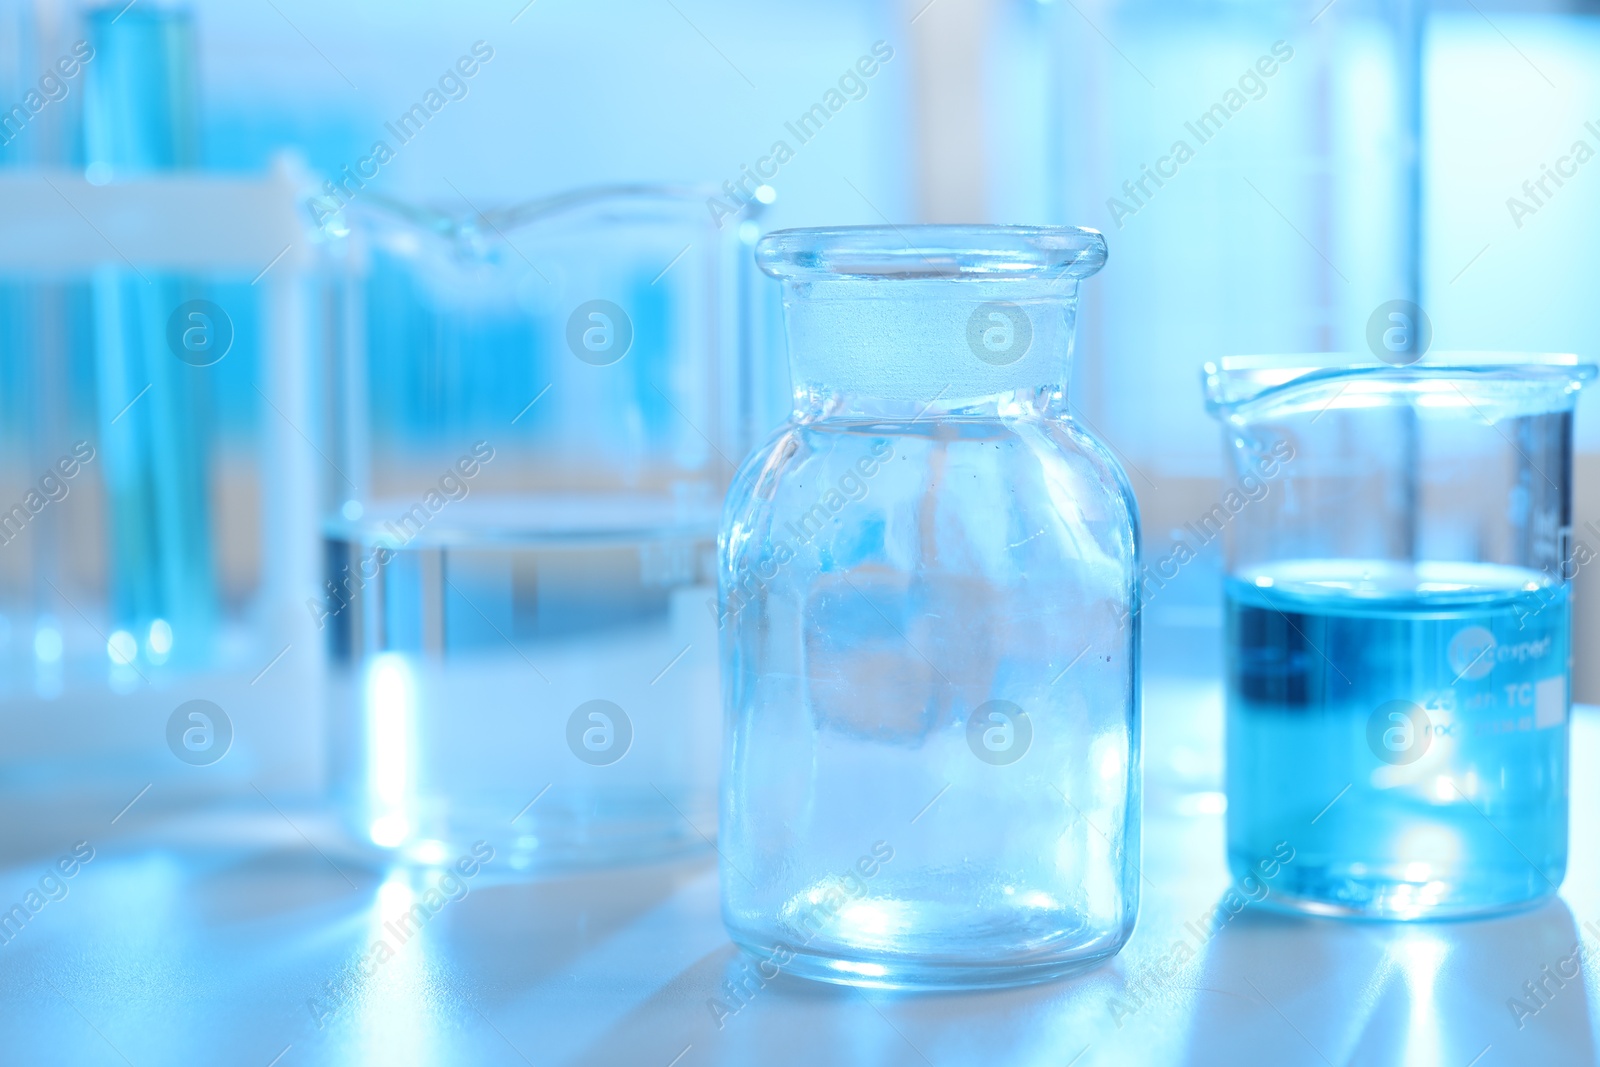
[536, 414]
[1397, 627]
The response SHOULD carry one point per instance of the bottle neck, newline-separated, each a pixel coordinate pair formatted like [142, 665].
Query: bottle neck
[929, 347]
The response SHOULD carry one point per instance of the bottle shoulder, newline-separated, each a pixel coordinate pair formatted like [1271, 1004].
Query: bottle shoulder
[999, 482]
[1038, 446]
[1030, 506]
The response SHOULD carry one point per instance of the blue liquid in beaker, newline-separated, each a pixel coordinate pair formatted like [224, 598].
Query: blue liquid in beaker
[1403, 728]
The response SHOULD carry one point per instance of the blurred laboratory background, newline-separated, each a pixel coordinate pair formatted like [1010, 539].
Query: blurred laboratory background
[330, 506]
[366, 318]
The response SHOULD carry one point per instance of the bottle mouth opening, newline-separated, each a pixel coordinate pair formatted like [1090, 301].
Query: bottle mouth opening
[1245, 387]
[933, 252]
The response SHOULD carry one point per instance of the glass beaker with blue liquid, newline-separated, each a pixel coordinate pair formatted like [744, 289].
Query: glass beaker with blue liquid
[1397, 628]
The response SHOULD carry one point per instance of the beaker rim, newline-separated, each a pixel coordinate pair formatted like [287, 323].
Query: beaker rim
[684, 202]
[1235, 382]
[933, 252]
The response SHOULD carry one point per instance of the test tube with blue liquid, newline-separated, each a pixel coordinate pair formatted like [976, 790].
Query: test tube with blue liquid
[153, 406]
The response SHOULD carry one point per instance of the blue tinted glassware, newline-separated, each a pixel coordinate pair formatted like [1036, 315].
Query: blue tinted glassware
[928, 622]
[531, 422]
[150, 540]
[1397, 628]
[141, 116]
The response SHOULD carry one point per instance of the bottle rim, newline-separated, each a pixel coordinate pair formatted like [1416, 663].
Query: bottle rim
[933, 252]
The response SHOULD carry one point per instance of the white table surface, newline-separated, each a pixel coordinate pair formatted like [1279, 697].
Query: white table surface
[172, 947]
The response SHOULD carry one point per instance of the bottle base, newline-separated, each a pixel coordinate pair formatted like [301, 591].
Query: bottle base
[930, 975]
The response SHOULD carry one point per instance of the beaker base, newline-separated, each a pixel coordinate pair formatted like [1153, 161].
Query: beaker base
[1332, 892]
[558, 839]
[515, 861]
[1329, 909]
